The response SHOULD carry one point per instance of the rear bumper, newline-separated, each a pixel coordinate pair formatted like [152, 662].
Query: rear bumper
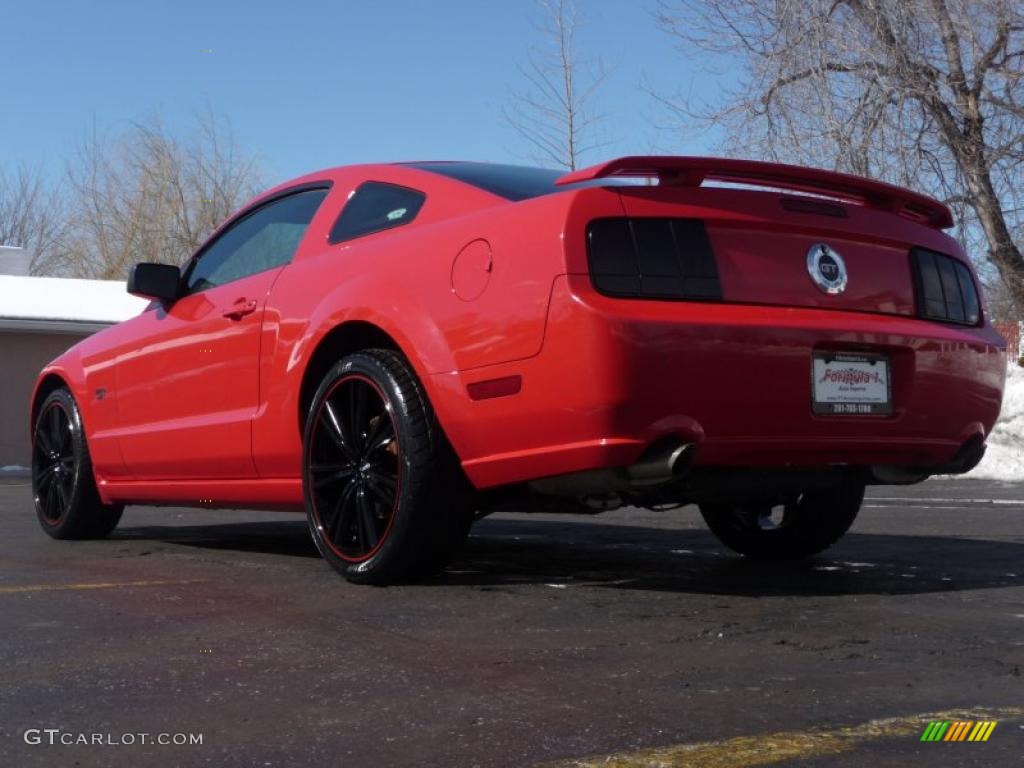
[613, 376]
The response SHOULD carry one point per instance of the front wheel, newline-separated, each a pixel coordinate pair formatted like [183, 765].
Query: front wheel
[803, 525]
[385, 500]
[67, 503]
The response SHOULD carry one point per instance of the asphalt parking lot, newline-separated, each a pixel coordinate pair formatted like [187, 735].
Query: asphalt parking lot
[626, 639]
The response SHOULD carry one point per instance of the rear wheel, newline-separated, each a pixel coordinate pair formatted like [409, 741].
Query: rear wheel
[800, 527]
[385, 499]
[67, 503]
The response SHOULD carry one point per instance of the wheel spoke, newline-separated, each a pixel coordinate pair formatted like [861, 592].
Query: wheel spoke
[357, 413]
[791, 512]
[338, 474]
[319, 469]
[337, 432]
[44, 479]
[55, 496]
[48, 503]
[63, 494]
[368, 522]
[387, 480]
[43, 440]
[57, 433]
[382, 488]
[381, 434]
[360, 539]
[342, 519]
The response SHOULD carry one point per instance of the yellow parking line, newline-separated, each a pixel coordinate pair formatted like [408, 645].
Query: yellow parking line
[98, 585]
[751, 751]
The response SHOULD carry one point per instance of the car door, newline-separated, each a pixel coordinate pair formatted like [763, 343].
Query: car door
[188, 390]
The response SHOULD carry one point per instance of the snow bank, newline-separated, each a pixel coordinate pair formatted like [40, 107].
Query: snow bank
[1005, 457]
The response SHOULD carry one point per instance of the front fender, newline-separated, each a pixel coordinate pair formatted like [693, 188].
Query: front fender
[54, 375]
[87, 369]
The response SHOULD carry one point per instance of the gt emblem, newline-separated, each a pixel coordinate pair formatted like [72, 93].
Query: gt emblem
[826, 268]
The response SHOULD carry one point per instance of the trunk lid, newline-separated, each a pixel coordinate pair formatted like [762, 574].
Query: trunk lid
[787, 242]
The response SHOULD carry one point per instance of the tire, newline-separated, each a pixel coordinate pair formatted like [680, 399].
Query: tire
[67, 503]
[386, 501]
[810, 523]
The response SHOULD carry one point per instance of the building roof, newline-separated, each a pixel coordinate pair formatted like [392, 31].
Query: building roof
[64, 304]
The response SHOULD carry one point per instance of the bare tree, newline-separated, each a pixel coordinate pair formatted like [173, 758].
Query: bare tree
[928, 93]
[147, 195]
[554, 114]
[30, 214]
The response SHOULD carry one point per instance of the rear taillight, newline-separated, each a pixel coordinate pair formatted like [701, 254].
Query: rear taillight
[945, 288]
[652, 258]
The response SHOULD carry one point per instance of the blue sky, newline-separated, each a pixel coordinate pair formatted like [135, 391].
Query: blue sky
[308, 84]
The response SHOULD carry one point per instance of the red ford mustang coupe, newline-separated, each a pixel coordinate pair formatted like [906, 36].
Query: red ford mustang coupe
[399, 349]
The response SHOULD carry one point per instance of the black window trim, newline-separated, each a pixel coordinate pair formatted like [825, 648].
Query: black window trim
[237, 219]
[396, 225]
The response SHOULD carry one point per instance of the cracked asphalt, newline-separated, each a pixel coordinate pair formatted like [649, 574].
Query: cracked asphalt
[551, 639]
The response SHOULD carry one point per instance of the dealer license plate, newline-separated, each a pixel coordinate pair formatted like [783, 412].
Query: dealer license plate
[850, 384]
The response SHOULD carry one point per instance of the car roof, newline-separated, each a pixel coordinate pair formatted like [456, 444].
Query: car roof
[495, 180]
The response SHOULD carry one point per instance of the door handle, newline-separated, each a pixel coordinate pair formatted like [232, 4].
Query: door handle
[241, 308]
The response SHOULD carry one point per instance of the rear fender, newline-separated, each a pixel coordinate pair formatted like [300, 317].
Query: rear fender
[277, 439]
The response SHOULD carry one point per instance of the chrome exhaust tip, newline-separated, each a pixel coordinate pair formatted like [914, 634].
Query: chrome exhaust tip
[661, 463]
[664, 461]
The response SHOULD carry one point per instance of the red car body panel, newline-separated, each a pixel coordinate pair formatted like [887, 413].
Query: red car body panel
[201, 408]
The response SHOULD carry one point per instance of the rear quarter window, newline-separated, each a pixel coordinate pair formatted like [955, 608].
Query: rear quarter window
[374, 207]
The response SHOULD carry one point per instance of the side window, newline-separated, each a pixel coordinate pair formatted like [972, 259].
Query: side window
[375, 206]
[266, 238]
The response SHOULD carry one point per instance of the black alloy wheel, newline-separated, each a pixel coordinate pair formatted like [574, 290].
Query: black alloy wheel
[790, 529]
[386, 500]
[354, 471]
[54, 467]
[67, 503]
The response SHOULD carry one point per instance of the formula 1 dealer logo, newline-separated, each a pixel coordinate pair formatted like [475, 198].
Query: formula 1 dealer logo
[826, 268]
[851, 377]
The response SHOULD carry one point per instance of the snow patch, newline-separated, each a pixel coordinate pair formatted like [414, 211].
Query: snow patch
[1004, 459]
[60, 298]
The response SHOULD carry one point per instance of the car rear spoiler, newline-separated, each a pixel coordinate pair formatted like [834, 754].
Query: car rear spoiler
[694, 171]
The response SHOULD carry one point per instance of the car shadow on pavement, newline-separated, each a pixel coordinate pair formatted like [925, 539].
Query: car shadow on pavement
[692, 561]
[520, 551]
[274, 538]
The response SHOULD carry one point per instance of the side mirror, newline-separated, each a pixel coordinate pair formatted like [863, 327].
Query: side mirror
[155, 281]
